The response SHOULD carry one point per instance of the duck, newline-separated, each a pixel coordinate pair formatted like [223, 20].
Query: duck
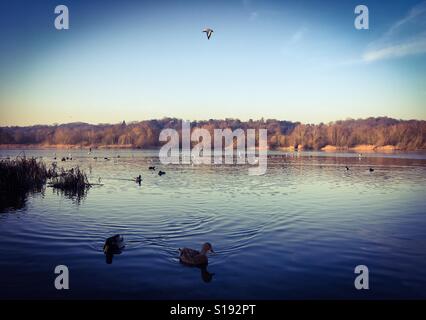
[160, 173]
[371, 169]
[138, 179]
[114, 244]
[194, 257]
[347, 168]
[152, 168]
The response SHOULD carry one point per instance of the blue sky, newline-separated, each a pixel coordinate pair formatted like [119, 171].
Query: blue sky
[134, 60]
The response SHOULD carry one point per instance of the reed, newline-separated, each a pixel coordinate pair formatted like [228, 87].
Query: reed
[73, 180]
[22, 175]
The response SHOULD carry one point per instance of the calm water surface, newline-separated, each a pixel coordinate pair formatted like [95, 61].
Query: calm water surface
[296, 232]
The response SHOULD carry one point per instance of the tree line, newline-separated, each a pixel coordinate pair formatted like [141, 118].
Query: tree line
[381, 131]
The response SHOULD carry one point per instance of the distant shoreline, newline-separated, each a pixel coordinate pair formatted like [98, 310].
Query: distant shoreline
[327, 148]
[361, 135]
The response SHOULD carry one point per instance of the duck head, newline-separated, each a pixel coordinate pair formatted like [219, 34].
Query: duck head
[206, 248]
[114, 244]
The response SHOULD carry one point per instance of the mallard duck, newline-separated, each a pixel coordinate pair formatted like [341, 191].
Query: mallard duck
[194, 257]
[114, 244]
[152, 168]
[160, 173]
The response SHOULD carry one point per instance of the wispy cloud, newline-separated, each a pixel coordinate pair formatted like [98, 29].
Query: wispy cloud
[298, 35]
[293, 41]
[417, 12]
[405, 37]
[411, 47]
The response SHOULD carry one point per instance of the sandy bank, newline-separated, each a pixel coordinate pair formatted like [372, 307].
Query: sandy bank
[361, 148]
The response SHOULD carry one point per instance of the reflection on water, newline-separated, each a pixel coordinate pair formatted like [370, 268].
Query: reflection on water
[205, 274]
[75, 195]
[296, 232]
[110, 255]
[12, 200]
[17, 200]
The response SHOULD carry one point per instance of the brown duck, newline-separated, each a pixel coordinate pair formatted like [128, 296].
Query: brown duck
[194, 257]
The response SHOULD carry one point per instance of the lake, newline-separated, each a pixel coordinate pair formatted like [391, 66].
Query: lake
[297, 232]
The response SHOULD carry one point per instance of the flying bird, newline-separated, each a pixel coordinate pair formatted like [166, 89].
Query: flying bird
[208, 32]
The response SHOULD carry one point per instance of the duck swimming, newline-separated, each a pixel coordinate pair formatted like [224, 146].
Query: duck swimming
[152, 168]
[371, 169]
[114, 244]
[138, 179]
[160, 173]
[194, 257]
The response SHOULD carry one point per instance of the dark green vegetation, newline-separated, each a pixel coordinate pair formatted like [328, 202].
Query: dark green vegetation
[72, 183]
[22, 176]
[73, 179]
[403, 134]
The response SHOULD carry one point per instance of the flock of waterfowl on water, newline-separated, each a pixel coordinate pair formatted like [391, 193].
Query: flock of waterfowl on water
[115, 244]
